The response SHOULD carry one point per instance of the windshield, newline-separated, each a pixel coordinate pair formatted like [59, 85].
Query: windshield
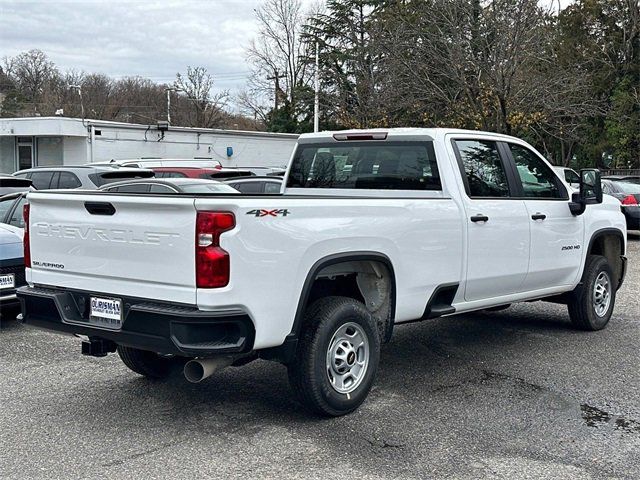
[208, 188]
[571, 177]
[366, 165]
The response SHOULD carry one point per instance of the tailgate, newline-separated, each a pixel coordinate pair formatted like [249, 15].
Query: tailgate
[138, 246]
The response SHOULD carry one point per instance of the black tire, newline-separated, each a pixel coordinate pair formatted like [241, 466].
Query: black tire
[582, 309]
[148, 364]
[308, 372]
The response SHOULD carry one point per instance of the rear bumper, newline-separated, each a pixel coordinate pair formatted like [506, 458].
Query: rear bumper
[147, 325]
[632, 215]
[14, 267]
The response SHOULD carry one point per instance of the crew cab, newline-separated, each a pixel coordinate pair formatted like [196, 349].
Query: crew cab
[371, 230]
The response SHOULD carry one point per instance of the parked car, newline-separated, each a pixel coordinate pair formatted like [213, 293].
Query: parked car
[11, 207]
[569, 175]
[196, 172]
[83, 176]
[169, 185]
[169, 162]
[427, 223]
[12, 273]
[623, 178]
[11, 184]
[629, 196]
[266, 185]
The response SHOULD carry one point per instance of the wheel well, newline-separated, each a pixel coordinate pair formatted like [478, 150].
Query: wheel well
[611, 246]
[369, 281]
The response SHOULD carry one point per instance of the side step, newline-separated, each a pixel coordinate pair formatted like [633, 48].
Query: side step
[440, 301]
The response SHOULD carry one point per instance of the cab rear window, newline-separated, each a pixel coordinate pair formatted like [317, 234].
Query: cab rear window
[366, 165]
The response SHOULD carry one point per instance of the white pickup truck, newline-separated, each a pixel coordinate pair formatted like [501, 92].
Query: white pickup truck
[372, 229]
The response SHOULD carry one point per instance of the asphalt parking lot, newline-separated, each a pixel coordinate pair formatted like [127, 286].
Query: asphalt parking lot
[511, 394]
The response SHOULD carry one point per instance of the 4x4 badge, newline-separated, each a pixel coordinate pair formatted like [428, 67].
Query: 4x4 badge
[268, 213]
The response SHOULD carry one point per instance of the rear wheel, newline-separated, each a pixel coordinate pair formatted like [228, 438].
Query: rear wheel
[146, 363]
[337, 356]
[591, 303]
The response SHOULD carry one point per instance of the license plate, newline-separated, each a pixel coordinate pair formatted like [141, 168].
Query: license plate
[106, 312]
[7, 281]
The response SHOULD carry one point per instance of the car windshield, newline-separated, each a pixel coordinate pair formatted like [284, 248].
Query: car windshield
[571, 177]
[208, 188]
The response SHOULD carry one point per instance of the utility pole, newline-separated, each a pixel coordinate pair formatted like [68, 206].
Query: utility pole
[316, 100]
[277, 78]
[79, 89]
[169, 90]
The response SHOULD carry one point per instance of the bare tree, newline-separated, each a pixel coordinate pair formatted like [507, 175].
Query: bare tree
[197, 86]
[31, 71]
[277, 57]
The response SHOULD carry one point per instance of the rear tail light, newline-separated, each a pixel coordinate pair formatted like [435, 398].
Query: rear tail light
[629, 200]
[212, 262]
[25, 240]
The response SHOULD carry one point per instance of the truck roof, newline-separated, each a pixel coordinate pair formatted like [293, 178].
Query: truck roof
[397, 132]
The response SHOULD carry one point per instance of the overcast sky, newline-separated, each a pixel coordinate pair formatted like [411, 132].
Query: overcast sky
[153, 39]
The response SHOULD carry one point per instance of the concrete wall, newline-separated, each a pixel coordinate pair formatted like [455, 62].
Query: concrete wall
[118, 144]
[76, 151]
[7, 154]
[49, 151]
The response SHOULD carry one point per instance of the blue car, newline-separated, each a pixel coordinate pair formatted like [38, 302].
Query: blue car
[11, 266]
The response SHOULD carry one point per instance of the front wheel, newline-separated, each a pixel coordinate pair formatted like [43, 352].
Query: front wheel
[591, 303]
[337, 356]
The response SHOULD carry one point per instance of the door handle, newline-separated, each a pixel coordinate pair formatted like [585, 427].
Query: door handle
[479, 218]
[538, 216]
[99, 208]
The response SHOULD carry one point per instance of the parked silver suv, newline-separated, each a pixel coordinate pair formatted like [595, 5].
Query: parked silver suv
[82, 176]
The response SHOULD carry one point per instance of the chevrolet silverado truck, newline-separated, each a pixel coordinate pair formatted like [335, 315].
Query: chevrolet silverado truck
[371, 230]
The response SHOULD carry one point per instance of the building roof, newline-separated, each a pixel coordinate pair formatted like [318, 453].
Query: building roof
[77, 127]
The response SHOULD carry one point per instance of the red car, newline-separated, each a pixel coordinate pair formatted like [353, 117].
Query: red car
[197, 172]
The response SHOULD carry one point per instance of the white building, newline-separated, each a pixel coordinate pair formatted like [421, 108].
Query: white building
[42, 141]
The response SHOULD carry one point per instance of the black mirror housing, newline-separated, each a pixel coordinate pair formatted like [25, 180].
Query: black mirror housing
[590, 191]
[590, 186]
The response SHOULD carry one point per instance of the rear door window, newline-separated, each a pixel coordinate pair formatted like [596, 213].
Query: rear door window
[68, 180]
[366, 165]
[483, 168]
[134, 188]
[248, 187]
[272, 187]
[161, 189]
[41, 180]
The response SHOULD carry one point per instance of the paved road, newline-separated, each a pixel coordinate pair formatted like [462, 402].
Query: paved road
[513, 394]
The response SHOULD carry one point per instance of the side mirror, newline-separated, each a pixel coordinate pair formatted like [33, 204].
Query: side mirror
[590, 186]
[590, 191]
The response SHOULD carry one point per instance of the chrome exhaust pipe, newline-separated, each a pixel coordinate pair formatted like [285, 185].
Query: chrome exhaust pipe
[198, 369]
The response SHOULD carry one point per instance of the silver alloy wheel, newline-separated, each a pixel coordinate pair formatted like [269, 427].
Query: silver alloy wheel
[347, 358]
[601, 294]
